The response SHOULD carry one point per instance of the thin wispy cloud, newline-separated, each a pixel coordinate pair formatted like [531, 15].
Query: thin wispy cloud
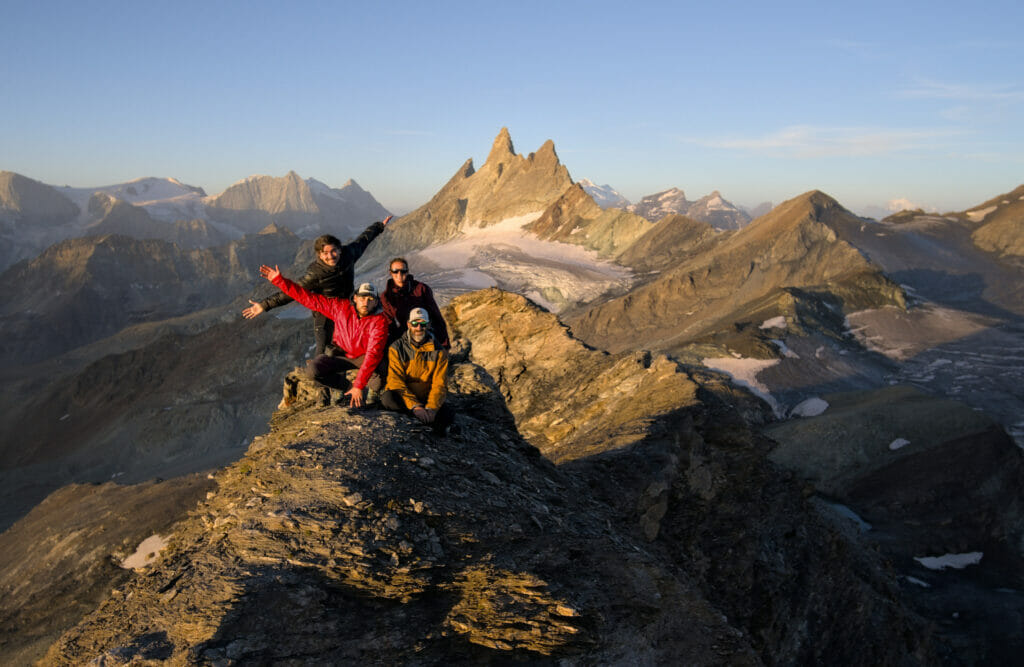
[964, 92]
[807, 141]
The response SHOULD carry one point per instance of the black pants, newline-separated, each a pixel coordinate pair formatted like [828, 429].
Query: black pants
[323, 331]
[330, 371]
[392, 400]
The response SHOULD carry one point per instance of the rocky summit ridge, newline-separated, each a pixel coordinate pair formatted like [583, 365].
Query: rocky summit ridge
[346, 536]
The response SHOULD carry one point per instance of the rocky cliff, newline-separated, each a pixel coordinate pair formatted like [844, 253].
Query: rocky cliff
[357, 536]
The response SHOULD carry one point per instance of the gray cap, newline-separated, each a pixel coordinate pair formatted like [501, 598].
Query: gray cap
[419, 314]
[366, 289]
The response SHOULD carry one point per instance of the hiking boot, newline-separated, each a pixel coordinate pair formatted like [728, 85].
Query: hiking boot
[324, 399]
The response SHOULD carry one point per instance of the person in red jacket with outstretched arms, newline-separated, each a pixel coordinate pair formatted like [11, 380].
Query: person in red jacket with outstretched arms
[360, 332]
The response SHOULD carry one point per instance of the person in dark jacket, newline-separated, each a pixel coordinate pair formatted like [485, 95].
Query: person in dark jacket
[331, 274]
[402, 294]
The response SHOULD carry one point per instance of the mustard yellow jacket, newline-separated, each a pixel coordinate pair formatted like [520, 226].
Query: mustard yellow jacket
[419, 373]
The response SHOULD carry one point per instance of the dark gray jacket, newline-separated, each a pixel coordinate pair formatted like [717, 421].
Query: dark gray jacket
[331, 280]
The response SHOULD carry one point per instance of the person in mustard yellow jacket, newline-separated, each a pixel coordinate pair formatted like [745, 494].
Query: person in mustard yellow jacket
[418, 375]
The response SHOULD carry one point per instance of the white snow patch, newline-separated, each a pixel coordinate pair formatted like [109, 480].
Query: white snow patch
[915, 580]
[774, 323]
[955, 561]
[979, 215]
[505, 255]
[812, 407]
[65, 417]
[744, 373]
[784, 349]
[898, 443]
[144, 555]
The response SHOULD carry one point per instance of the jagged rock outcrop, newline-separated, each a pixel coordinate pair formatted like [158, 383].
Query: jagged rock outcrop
[506, 185]
[796, 245]
[660, 444]
[355, 536]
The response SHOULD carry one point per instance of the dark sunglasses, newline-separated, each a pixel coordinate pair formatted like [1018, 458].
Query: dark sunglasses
[399, 270]
[418, 324]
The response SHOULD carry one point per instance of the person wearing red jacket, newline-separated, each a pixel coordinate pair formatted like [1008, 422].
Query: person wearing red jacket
[360, 333]
[402, 294]
[331, 274]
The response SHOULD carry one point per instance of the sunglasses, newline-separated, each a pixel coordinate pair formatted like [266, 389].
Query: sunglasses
[399, 270]
[418, 324]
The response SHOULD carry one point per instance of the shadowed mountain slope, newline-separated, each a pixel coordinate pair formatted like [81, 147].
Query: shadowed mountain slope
[794, 246]
[82, 290]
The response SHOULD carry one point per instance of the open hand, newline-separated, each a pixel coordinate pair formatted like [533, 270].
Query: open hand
[253, 310]
[356, 395]
[270, 274]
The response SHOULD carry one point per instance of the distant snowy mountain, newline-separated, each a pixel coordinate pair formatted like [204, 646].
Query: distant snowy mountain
[718, 212]
[604, 196]
[164, 199]
[712, 209]
[34, 215]
[657, 206]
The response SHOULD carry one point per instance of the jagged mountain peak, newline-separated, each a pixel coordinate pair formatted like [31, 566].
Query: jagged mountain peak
[502, 147]
[508, 185]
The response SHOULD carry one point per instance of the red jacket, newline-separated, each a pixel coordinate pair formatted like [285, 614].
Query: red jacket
[356, 336]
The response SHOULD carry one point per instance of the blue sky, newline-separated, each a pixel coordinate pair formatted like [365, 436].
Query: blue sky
[869, 102]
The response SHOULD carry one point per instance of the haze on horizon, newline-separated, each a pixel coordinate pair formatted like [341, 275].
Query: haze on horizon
[870, 102]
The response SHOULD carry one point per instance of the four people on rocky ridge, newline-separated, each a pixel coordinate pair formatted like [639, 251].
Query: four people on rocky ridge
[405, 324]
